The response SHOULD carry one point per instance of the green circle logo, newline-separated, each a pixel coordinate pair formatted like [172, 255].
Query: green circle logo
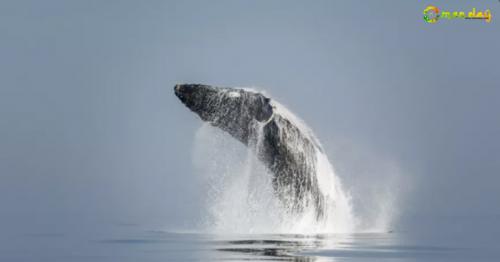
[431, 14]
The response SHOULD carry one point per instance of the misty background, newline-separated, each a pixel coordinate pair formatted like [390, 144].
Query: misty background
[92, 135]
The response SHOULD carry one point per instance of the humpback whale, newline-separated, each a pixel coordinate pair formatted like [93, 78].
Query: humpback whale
[288, 150]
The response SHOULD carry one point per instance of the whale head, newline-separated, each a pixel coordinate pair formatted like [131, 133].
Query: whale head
[233, 110]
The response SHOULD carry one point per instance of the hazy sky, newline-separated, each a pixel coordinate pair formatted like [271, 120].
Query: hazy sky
[91, 132]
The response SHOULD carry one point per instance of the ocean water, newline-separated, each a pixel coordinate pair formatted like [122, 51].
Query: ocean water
[134, 243]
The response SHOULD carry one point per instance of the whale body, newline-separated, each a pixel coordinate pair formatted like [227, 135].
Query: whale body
[288, 150]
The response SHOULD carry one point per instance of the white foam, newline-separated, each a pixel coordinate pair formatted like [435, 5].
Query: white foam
[233, 94]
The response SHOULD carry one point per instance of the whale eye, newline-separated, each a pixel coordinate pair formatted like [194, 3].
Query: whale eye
[265, 110]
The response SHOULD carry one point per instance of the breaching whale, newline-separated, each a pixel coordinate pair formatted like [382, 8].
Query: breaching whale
[286, 149]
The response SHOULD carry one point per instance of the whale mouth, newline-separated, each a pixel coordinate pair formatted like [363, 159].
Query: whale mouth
[183, 91]
[188, 92]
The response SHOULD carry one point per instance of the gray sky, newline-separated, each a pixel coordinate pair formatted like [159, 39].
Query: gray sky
[91, 132]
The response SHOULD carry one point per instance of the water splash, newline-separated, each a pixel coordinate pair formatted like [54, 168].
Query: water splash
[241, 198]
[377, 184]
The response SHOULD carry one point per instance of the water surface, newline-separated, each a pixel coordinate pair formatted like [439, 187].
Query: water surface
[131, 243]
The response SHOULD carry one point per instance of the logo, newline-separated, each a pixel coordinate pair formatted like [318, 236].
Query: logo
[432, 14]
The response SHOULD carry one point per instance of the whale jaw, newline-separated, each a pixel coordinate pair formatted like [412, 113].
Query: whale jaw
[233, 110]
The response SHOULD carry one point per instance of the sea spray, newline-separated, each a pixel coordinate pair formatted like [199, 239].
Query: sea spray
[241, 198]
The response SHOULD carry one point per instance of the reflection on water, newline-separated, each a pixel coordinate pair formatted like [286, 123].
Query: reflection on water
[281, 248]
[325, 248]
[141, 245]
[338, 247]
